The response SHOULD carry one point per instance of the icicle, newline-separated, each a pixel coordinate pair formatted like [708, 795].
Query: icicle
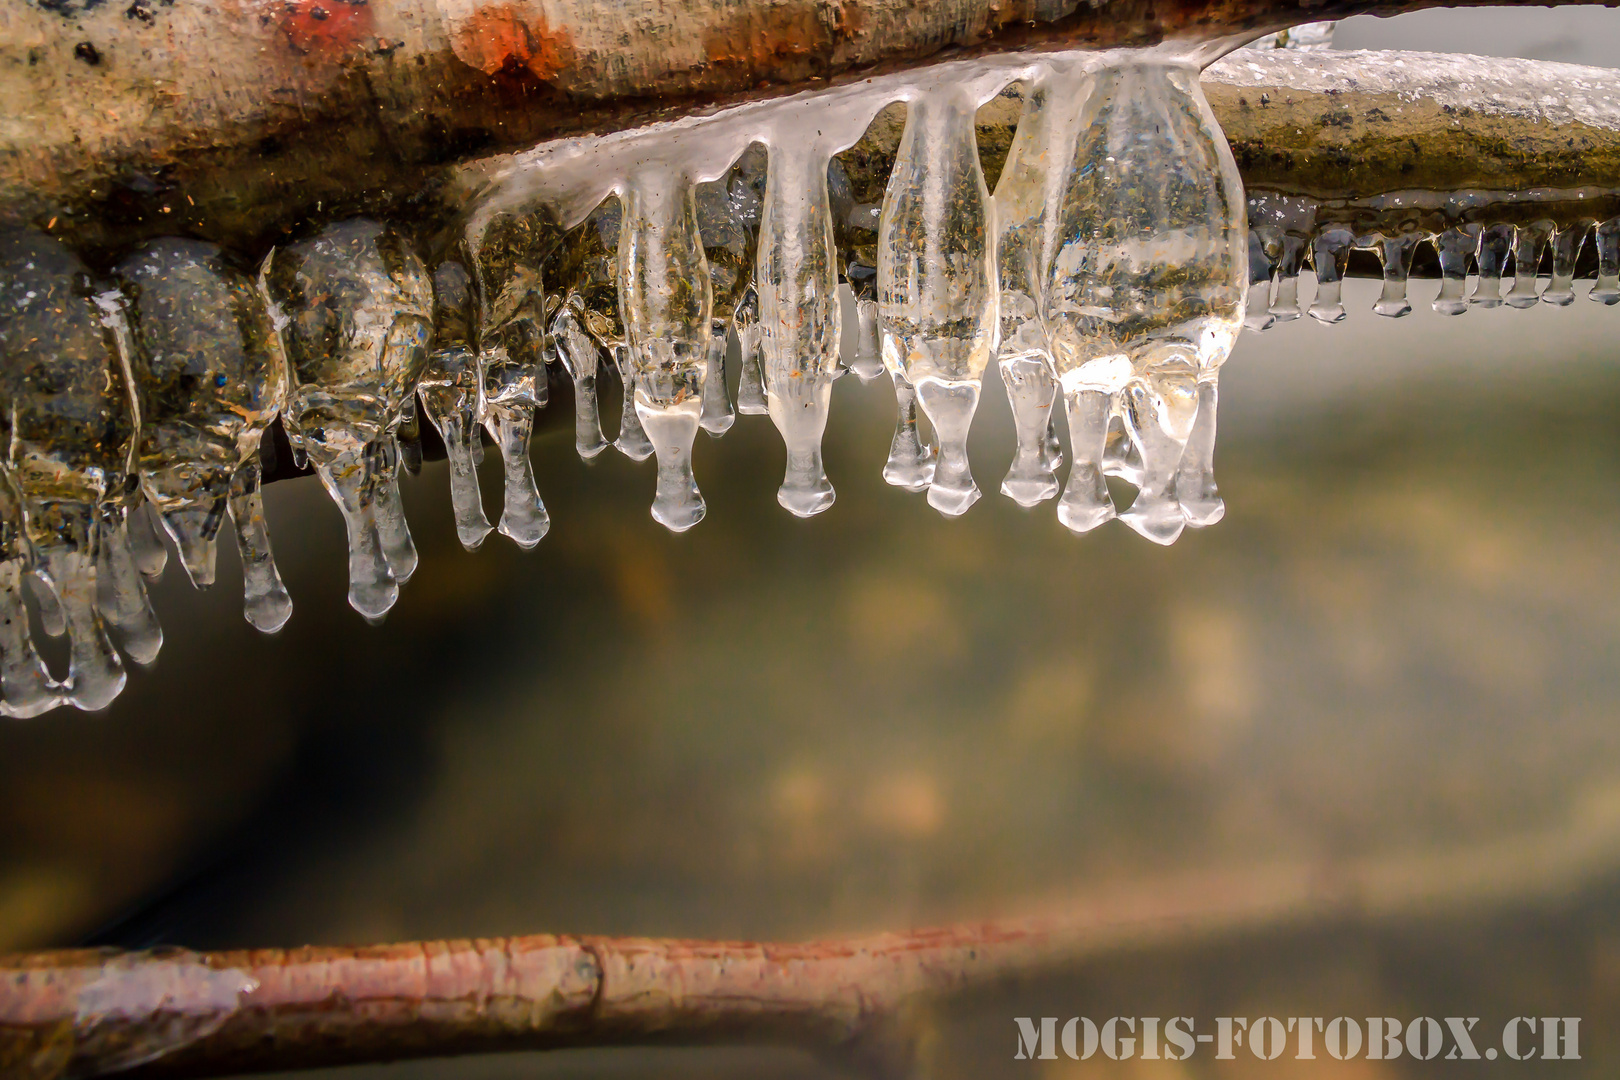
[582, 358]
[1528, 243]
[799, 316]
[265, 604]
[1025, 191]
[68, 439]
[1566, 246]
[209, 378]
[1395, 255]
[26, 688]
[1201, 502]
[1606, 290]
[121, 592]
[1284, 224]
[911, 461]
[1146, 290]
[449, 390]
[1330, 255]
[354, 309]
[666, 304]
[393, 534]
[856, 225]
[1122, 457]
[408, 436]
[728, 245]
[52, 619]
[1257, 314]
[512, 256]
[938, 297]
[1455, 247]
[751, 385]
[1495, 242]
[145, 544]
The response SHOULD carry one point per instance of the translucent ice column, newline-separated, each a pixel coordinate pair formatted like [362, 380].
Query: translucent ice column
[665, 300]
[512, 254]
[354, 310]
[449, 390]
[856, 223]
[728, 245]
[26, 688]
[1025, 194]
[938, 299]
[799, 318]
[1146, 289]
[746, 192]
[69, 436]
[210, 377]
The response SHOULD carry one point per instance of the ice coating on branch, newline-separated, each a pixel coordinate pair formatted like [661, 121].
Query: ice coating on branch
[1146, 288]
[938, 299]
[449, 392]
[353, 307]
[800, 319]
[666, 303]
[69, 433]
[209, 376]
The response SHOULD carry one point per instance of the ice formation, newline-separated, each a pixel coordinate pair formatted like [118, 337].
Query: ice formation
[1107, 278]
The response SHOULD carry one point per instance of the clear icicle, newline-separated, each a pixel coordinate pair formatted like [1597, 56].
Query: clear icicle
[512, 256]
[796, 275]
[856, 226]
[408, 437]
[1528, 243]
[1455, 248]
[728, 245]
[1151, 186]
[265, 602]
[1606, 290]
[910, 466]
[354, 308]
[1395, 255]
[145, 544]
[68, 440]
[393, 534]
[938, 297]
[1024, 193]
[751, 380]
[209, 376]
[1566, 248]
[1330, 255]
[121, 591]
[1495, 244]
[582, 359]
[26, 687]
[449, 391]
[1257, 314]
[1284, 224]
[52, 619]
[664, 295]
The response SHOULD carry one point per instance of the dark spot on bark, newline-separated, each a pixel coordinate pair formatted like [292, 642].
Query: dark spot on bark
[69, 9]
[319, 14]
[140, 11]
[88, 53]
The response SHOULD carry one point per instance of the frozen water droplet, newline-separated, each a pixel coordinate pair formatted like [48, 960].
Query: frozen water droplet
[938, 296]
[1566, 248]
[150, 554]
[1606, 290]
[911, 461]
[1330, 255]
[121, 593]
[449, 391]
[193, 528]
[1395, 255]
[358, 308]
[1495, 242]
[867, 363]
[265, 604]
[1086, 502]
[1455, 248]
[800, 318]
[1152, 185]
[1528, 243]
[664, 295]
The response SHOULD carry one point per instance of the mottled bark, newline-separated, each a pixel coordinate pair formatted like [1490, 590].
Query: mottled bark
[238, 120]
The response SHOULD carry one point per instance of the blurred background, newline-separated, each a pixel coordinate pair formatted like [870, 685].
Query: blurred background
[1397, 650]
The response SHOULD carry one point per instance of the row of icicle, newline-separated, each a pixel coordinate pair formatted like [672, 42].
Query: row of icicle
[1107, 271]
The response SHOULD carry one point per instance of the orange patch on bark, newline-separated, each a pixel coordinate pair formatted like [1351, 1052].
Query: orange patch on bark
[500, 35]
[325, 26]
[762, 41]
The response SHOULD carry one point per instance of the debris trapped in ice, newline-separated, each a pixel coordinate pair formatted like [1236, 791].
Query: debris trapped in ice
[1107, 278]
